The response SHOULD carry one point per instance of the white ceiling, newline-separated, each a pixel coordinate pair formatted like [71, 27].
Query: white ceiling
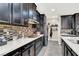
[60, 9]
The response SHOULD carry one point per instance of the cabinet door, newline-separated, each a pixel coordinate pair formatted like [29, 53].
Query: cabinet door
[32, 50]
[5, 12]
[38, 16]
[63, 22]
[25, 11]
[77, 21]
[32, 9]
[26, 52]
[67, 22]
[17, 14]
[73, 22]
[39, 44]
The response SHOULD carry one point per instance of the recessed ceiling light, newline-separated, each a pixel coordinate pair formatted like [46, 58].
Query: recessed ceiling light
[52, 9]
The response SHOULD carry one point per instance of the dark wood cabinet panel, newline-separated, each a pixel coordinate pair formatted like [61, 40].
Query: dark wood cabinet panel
[39, 45]
[25, 11]
[76, 20]
[76, 23]
[16, 14]
[26, 50]
[42, 23]
[22, 12]
[32, 50]
[5, 12]
[67, 22]
[28, 12]
[32, 10]
[37, 16]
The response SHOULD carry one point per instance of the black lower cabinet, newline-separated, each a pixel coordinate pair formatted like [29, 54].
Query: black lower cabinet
[26, 53]
[66, 50]
[16, 52]
[26, 50]
[30, 49]
[38, 45]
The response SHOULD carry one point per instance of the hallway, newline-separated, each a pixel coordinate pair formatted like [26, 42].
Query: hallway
[53, 49]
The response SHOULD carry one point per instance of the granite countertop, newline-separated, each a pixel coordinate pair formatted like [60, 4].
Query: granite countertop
[13, 45]
[73, 46]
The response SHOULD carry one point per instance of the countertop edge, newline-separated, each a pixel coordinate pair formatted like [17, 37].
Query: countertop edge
[3, 52]
[67, 42]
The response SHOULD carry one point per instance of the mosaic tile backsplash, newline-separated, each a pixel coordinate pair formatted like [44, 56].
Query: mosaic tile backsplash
[26, 31]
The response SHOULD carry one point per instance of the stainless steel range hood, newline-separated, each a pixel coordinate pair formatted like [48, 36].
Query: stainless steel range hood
[32, 21]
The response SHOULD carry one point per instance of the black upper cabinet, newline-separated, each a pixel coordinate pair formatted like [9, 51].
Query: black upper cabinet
[37, 16]
[5, 12]
[76, 22]
[22, 12]
[67, 22]
[32, 10]
[76, 16]
[25, 11]
[16, 14]
[28, 12]
[42, 20]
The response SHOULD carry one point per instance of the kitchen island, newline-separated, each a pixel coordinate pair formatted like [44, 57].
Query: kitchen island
[70, 46]
[23, 47]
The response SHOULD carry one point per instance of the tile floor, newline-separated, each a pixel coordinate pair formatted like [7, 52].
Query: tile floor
[53, 49]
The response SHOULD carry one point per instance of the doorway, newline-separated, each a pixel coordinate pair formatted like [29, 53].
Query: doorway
[54, 36]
